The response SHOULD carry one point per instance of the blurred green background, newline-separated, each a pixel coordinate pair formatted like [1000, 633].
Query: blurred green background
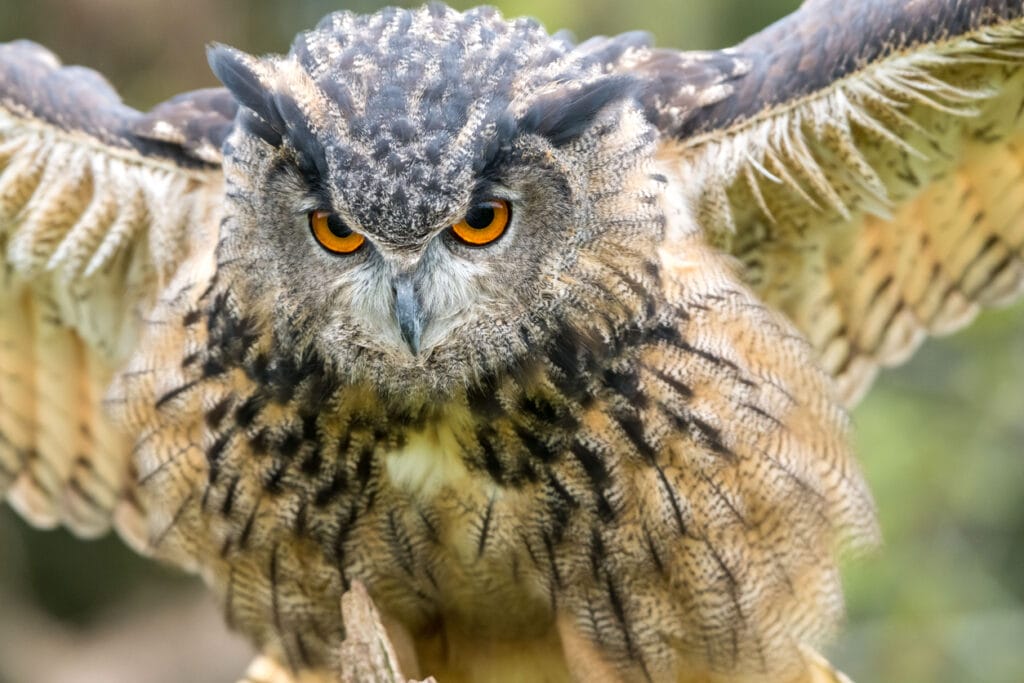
[941, 439]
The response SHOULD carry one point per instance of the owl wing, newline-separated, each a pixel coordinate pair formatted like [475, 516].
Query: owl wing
[864, 163]
[97, 205]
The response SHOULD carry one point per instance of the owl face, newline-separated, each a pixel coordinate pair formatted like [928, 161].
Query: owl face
[419, 211]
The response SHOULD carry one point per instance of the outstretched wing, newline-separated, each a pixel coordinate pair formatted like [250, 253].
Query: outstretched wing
[98, 203]
[864, 161]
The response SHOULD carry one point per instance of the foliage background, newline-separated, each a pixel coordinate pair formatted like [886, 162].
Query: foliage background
[941, 438]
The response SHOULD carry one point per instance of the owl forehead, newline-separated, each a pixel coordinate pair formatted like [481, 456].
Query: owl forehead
[409, 109]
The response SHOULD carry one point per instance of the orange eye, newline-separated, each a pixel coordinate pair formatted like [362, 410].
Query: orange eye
[332, 233]
[484, 223]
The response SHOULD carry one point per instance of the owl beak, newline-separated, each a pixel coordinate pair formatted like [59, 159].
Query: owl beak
[408, 312]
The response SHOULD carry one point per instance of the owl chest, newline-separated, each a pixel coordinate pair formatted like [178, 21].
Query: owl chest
[447, 541]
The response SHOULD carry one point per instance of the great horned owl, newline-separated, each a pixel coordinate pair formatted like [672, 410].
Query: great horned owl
[545, 344]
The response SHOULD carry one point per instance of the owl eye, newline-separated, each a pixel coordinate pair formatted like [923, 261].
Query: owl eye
[484, 223]
[332, 233]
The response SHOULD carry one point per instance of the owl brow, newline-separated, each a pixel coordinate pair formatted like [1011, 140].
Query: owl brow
[313, 181]
[485, 189]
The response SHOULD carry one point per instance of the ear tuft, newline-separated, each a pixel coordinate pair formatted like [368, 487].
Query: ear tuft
[239, 72]
[562, 117]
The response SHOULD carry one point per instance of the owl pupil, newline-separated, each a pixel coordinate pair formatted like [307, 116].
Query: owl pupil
[480, 216]
[337, 226]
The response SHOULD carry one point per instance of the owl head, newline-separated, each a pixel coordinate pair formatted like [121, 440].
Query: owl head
[431, 199]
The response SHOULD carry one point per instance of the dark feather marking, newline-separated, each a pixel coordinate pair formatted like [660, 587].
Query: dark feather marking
[639, 289]
[301, 523]
[170, 395]
[619, 609]
[624, 383]
[530, 551]
[229, 496]
[766, 415]
[597, 473]
[159, 468]
[592, 464]
[535, 446]
[597, 552]
[713, 437]
[243, 537]
[332, 490]
[76, 487]
[994, 273]
[567, 352]
[192, 317]
[540, 408]
[676, 385]
[428, 526]
[560, 507]
[990, 242]
[708, 356]
[209, 288]
[881, 289]
[429, 573]
[258, 368]
[216, 414]
[300, 645]
[289, 444]
[485, 527]
[492, 463]
[677, 512]
[652, 549]
[549, 546]
[723, 498]
[273, 479]
[896, 309]
[259, 443]
[216, 451]
[732, 585]
[483, 398]
[401, 549]
[344, 529]
[175, 518]
[364, 467]
[633, 427]
[312, 463]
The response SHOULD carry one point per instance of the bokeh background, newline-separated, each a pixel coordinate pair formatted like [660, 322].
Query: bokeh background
[941, 438]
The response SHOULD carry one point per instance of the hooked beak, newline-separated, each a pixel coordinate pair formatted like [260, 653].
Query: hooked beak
[408, 311]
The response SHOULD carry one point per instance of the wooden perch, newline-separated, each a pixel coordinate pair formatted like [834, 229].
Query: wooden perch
[368, 654]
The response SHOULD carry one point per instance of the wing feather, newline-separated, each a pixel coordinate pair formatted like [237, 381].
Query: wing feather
[866, 171]
[99, 204]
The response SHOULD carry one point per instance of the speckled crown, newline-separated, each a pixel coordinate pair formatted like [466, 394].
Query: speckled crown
[407, 109]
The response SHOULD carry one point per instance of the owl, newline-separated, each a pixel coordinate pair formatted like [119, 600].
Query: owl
[444, 346]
